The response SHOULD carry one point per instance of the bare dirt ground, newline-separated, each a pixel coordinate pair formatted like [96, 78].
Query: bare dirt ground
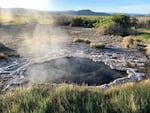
[91, 34]
[10, 35]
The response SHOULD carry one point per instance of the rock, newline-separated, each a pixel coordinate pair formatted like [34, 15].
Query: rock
[105, 86]
[120, 81]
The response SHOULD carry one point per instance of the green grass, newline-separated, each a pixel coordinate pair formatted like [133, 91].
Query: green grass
[142, 38]
[129, 98]
[133, 41]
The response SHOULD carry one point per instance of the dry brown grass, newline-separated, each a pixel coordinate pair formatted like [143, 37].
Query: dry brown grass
[148, 50]
[75, 32]
[127, 42]
[79, 40]
[97, 46]
[143, 22]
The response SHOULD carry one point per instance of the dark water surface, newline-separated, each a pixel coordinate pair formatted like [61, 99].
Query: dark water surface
[73, 70]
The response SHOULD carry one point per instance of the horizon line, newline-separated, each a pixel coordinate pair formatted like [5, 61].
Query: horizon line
[72, 10]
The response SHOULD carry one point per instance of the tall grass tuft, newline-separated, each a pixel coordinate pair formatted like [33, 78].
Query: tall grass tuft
[127, 42]
[128, 98]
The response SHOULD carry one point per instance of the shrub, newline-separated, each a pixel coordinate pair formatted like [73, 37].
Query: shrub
[109, 29]
[88, 22]
[76, 22]
[122, 20]
[116, 24]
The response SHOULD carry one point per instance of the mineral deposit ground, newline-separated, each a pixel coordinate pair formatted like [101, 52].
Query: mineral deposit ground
[47, 54]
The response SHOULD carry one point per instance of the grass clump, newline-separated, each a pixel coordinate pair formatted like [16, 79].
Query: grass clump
[129, 98]
[134, 41]
[143, 23]
[79, 40]
[148, 50]
[2, 56]
[97, 46]
[127, 42]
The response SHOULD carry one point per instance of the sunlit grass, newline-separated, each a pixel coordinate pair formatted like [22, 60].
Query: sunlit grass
[26, 19]
[128, 98]
[132, 41]
[143, 31]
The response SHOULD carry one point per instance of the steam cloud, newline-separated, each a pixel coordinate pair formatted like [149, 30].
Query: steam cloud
[43, 41]
[37, 41]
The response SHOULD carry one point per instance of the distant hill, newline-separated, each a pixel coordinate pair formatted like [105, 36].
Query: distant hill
[87, 12]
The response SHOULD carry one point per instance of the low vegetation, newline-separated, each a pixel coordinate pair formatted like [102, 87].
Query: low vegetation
[128, 42]
[9, 19]
[116, 24]
[84, 21]
[2, 56]
[143, 23]
[97, 45]
[148, 50]
[133, 41]
[129, 98]
[79, 40]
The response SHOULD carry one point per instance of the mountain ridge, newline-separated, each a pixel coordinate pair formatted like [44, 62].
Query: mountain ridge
[84, 12]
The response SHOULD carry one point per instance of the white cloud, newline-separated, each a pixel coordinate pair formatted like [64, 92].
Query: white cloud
[30, 4]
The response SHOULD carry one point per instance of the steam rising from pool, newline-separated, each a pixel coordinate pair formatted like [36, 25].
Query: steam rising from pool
[43, 40]
[72, 70]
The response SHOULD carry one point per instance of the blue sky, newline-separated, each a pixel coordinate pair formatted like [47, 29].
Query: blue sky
[127, 6]
[123, 6]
